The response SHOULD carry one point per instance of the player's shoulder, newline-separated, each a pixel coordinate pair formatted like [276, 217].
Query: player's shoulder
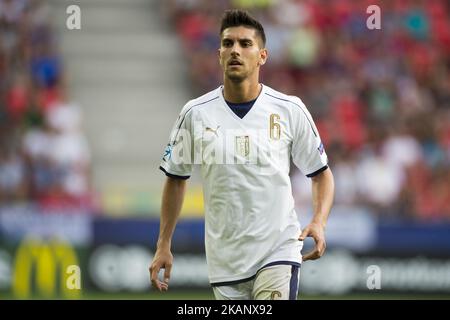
[203, 100]
[289, 101]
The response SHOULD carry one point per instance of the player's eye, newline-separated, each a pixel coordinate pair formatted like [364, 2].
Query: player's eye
[246, 43]
[227, 43]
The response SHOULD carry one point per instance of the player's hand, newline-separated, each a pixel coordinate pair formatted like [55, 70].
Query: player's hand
[317, 232]
[163, 259]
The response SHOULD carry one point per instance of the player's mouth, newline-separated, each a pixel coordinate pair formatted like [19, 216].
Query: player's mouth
[235, 63]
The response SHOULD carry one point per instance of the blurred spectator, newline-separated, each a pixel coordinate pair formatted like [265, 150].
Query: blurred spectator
[44, 156]
[12, 177]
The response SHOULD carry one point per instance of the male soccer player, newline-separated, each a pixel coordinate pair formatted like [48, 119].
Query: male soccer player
[243, 134]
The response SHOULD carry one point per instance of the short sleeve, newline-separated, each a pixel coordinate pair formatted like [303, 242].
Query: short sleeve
[308, 152]
[177, 159]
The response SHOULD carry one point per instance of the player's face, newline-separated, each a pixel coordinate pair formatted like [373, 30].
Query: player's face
[241, 52]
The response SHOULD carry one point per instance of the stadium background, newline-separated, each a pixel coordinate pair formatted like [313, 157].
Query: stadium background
[85, 115]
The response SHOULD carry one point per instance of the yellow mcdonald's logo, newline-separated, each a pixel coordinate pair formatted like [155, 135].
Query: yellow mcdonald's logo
[49, 260]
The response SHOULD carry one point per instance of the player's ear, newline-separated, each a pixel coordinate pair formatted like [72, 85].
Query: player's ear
[218, 55]
[263, 55]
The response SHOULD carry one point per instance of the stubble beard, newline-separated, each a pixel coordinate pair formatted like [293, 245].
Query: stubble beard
[236, 77]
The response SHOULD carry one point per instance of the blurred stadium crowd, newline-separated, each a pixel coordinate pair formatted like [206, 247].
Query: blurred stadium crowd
[44, 157]
[380, 98]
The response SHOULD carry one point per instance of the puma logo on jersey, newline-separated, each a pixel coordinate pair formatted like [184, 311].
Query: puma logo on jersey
[212, 130]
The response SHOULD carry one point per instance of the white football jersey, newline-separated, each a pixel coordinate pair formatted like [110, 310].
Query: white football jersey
[250, 221]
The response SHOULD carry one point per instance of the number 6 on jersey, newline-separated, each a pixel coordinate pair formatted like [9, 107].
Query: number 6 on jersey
[275, 128]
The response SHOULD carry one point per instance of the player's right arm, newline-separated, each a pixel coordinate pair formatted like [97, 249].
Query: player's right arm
[172, 201]
[177, 169]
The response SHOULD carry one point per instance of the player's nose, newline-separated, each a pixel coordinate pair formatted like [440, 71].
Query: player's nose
[235, 50]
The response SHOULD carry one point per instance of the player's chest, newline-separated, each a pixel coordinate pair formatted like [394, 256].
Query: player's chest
[222, 137]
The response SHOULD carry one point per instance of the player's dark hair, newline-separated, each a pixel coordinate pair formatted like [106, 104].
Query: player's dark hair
[236, 18]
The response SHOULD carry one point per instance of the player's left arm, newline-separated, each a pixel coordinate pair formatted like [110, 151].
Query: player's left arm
[322, 199]
[308, 154]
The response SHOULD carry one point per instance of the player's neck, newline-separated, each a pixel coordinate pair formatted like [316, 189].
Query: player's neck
[242, 91]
